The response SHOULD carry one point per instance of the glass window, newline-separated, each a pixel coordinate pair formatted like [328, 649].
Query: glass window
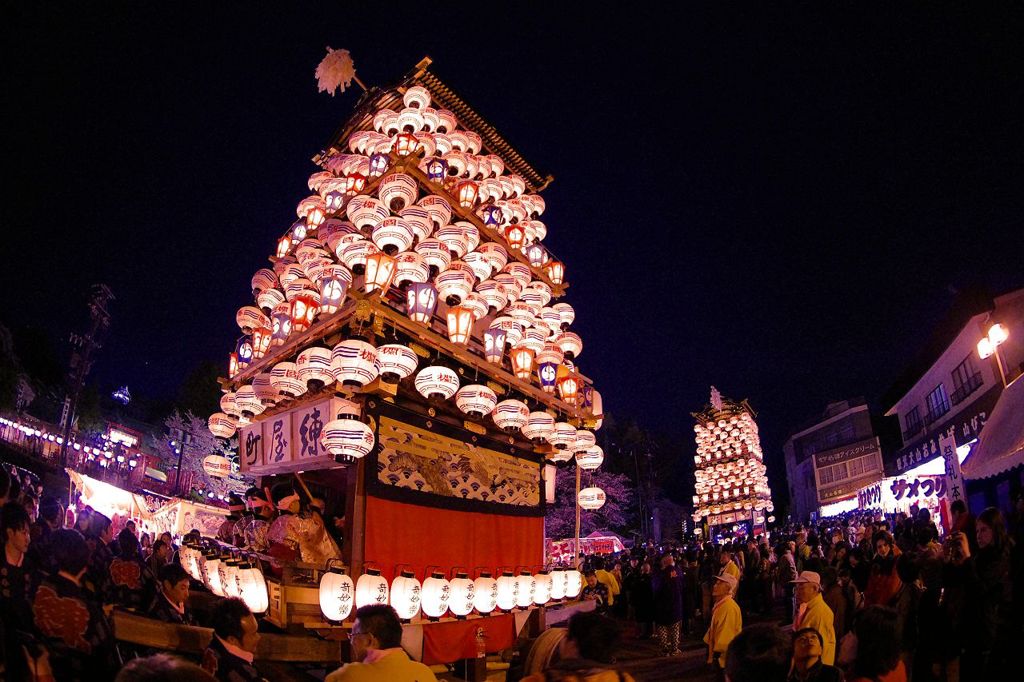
[912, 420]
[938, 403]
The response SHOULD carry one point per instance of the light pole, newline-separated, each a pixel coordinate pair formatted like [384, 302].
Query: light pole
[989, 345]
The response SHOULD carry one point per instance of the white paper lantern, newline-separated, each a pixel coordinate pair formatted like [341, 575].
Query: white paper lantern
[440, 210]
[405, 595]
[476, 400]
[437, 382]
[211, 575]
[526, 586]
[480, 265]
[591, 498]
[252, 588]
[566, 312]
[314, 367]
[229, 405]
[564, 436]
[461, 596]
[570, 343]
[354, 254]
[410, 267]
[559, 580]
[248, 403]
[485, 593]
[418, 220]
[221, 425]
[435, 595]
[590, 459]
[397, 190]
[354, 363]
[371, 588]
[508, 591]
[539, 426]
[365, 211]
[416, 97]
[264, 278]
[395, 362]
[493, 294]
[511, 415]
[436, 254]
[573, 583]
[347, 437]
[285, 378]
[337, 595]
[513, 329]
[455, 284]
[542, 589]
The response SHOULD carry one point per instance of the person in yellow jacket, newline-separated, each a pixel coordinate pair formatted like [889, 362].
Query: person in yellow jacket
[607, 579]
[729, 567]
[726, 619]
[813, 612]
[377, 651]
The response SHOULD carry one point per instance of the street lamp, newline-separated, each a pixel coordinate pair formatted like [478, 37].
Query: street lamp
[989, 345]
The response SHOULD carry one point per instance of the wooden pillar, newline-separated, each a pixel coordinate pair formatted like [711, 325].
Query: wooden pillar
[576, 544]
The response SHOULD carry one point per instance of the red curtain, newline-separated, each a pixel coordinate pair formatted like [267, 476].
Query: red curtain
[399, 533]
[448, 642]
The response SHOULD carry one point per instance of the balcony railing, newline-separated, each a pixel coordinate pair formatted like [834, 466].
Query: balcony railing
[972, 384]
[912, 430]
[935, 414]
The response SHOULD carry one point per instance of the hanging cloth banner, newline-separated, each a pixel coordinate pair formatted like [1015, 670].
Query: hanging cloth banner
[954, 478]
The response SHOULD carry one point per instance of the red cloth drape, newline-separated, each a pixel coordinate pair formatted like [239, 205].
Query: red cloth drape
[399, 533]
[454, 640]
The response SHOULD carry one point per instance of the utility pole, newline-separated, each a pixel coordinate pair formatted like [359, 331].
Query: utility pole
[82, 359]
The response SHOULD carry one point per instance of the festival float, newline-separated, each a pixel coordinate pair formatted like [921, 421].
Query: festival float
[407, 368]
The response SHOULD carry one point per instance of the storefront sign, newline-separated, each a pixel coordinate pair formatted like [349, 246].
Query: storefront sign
[954, 479]
[900, 493]
[842, 471]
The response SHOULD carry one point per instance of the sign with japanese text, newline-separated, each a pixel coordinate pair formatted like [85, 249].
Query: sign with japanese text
[250, 446]
[307, 426]
[277, 439]
[287, 438]
[954, 479]
[841, 471]
[901, 493]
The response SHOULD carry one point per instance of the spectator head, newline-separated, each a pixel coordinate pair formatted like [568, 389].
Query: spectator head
[162, 668]
[760, 653]
[14, 527]
[234, 623]
[128, 544]
[991, 530]
[31, 504]
[51, 511]
[829, 577]
[100, 527]
[376, 627]
[236, 505]
[166, 537]
[725, 586]
[591, 577]
[590, 636]
[883, 542]
[666, 560]
[806, 586]
[878, 642]
[807, 647]
[161, 550]
[958, 507]
[257, 501]
[174, 582]
[70, 552]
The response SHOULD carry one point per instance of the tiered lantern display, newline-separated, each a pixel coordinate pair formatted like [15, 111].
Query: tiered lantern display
[732, 484]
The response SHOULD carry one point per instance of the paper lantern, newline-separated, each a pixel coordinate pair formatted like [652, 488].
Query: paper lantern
[440, 210]
[410, 267]
[371, 588]
[550, 353]
[284, 245]
[337, 594]
[285, 378]
[354, 363]
[211, 573]
[551, 319]
[395, 362]
[455, 283]
[334, 284]
[397, 191]
[534, 338]
[510, 285]
[416, 97]
[250, 318]
[494, 345]
[513, 333]
[264, 279]
[466, 193]
[570, 343]
[304, 308]
[508, 591]
[437, 169]
[526, 587]
[539, 427]
[248, 402]
[511, 415]
[437, 382]
[476, 304]
[564, 436]
[229, 404]
[536, 254]
[522, 362]
[591, 498]
[365, 212]
[516, 236]
[559, 577]
[493, 294]
[314, 367]
[405, 595]
[590, 459]
[542, 588]
[221, 425]
[393, 235]
[435, 595]
[573, 583]
[261, 342]
[481, 266]
[584, 440]
[421, 301]
[418, 220]
[353, 254]
[556, 271]
[347, 437]
[547, 373]
[476, 400]
[462, 593]
[264, 389]
[460, 324]
[436, 254]
[268, 299]
[485, 593]
[252, 588]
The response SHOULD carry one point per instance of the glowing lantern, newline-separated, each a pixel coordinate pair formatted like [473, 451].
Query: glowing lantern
[371, 588]
[569, 386]
[334, 284]
[510, 285]
[547, 373]
[559, 577]
[556, 271]
[573, 583]
[511, 415]
[405, 595]
[347, 437]
[515, 236]
[314, 367]
[536, 254]
[476, 304]
[462, 593]
[437, 169]
[264, 279]
[493, 294]
[481, 266]
[285, 378]
[252, 588]
[397, 191]
[211, 573]
[534, 338]
[437, 382]
[229, 404]
[395, 362]
[540, 426]
[410, 267]
[476, 400]
[472, 236]
[507, 591]
[440, 211]
[460, 324]
[260, 342]
[232, 365]
[485, 593]
[250, 318]
[455, 284]
[221, 425]
[590, 459]
[268, 299]
[264, 390]
[435, 595]
[248, 403]
[454, 237]
[436, 254]
[542, 589]
[421, 301]
[304, 308]
[591, 499]
[584, 440]
[406, 144]
[513, 331]
[365, 211]
[564, 436]
[551, 319]
[283, 246]
[522, 362]
[380, 270]
[244, 351]
[354, 363]
[378, 165]
[466, 193]
[494, 345]
[570, 343]
[526, 587]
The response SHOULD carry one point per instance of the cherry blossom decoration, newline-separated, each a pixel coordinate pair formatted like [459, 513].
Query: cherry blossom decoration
[335, 72]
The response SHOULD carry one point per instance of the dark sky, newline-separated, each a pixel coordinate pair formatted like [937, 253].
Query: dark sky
[782, 205]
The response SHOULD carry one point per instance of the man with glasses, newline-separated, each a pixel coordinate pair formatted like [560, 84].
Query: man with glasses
[377, 653]
[815, 614]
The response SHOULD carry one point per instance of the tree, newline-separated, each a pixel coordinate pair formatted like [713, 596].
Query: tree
[189, 434]
[615, 514]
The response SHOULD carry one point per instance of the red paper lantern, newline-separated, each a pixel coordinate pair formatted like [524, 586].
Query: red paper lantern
[460, 324]
[522, 362]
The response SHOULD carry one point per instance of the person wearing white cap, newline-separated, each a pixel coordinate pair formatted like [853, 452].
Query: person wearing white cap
[815, 613]
[726, 619]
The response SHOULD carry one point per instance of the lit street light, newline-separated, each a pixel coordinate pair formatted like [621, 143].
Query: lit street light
[989, 345]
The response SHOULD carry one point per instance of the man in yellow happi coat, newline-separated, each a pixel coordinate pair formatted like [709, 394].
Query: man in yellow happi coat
[726, 619]
[813, 612]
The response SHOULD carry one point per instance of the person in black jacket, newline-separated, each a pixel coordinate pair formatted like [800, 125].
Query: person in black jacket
[169, 605]
[667, 584]
[230, 655]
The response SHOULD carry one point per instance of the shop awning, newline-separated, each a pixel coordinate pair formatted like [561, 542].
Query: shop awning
[1001, 443]
[157, 474]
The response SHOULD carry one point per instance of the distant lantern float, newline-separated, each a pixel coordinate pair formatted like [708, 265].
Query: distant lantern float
[564, 436]
[406, 592]
[395, 362]
[460, 324]
[526, 588]
[485, 593]
[380, 270]
[285, 378]
[461, 595]
[371, 589]
[421, 302]
[353, 363]
[314, 367]
[542, 588]
[507, 591]
[397, 191]
[511, 415]
[590, 459]
[221, 425]
[494, 345]
[435, 595]
[522, 362]
[476, 400]
[591, 499]
[347, 437]
[539, 426]
[337, 594]
[437, 382]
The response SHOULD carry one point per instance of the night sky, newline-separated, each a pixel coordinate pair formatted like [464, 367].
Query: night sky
[782, 205]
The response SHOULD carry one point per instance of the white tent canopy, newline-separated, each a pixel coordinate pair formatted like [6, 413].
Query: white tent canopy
[1001, 443]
